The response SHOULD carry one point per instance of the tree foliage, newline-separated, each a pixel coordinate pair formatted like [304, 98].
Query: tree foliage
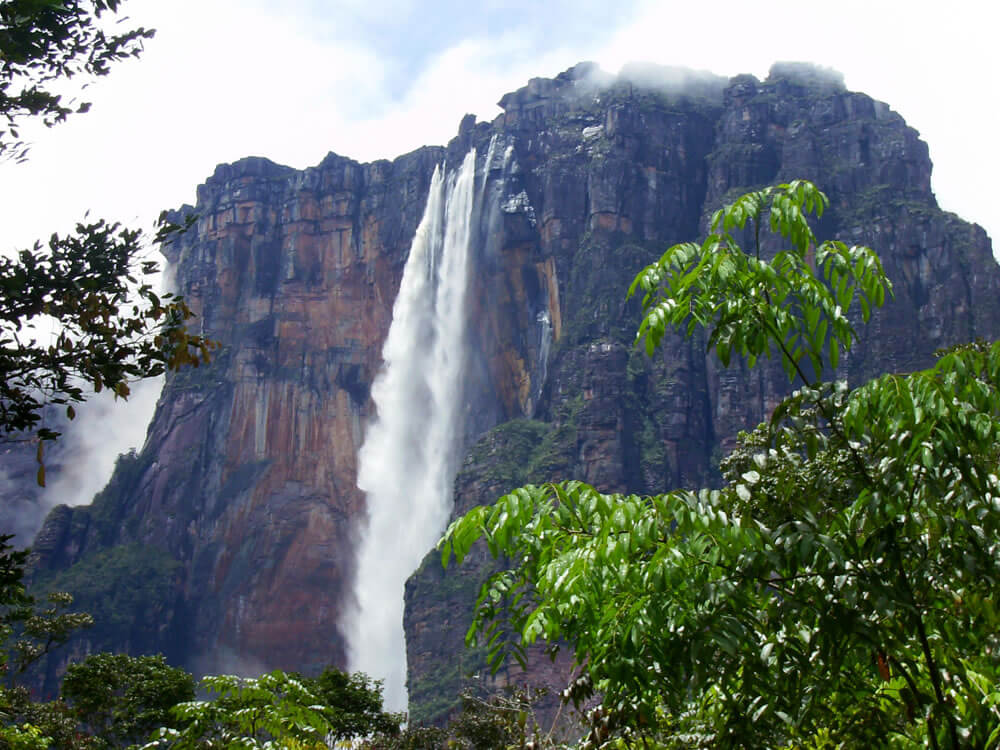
[505, 720]
[352, 704]
[82, 313]
[279, 710]
[45, 42]
[79, 311]
[839, 589]
[28, 631]
[121, 699]
[796, 303]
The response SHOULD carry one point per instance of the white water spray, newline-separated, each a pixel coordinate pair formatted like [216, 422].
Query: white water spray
[487, 166]
[407, 463]
[544, 348]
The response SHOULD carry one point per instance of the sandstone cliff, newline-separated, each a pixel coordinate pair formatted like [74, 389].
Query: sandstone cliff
[238, 513]
[247, 480]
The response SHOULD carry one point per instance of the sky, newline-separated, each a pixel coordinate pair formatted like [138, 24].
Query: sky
[369, 79]
[295, 79]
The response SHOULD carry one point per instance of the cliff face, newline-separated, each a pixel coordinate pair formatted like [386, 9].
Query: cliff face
[244, 496]
[614, 180]
[247, 479]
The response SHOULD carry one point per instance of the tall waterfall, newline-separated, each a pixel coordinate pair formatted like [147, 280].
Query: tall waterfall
[408, 460]
[544, 349]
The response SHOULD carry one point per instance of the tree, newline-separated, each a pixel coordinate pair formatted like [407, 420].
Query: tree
[121, 699]
[352, 704]
[839, 589]
[28, 631]
[506, 720]
[279, 710]
[36, 629]
[43, 42]
[79, 311]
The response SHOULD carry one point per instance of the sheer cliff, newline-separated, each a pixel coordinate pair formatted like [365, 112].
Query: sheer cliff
[227, 542]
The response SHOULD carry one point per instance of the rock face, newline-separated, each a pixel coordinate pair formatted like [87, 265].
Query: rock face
[244, 500]
[247, 479]
[613, 179]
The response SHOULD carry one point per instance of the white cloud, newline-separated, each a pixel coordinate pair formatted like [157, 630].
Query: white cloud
[934, 63]
[228, 79]
[469, 77]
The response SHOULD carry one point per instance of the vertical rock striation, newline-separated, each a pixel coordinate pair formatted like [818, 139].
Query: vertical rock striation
[248, 476]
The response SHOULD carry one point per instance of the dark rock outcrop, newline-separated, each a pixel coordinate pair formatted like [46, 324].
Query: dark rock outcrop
[245, 492]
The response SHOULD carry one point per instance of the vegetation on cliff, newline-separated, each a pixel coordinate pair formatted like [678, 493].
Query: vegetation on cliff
[119, 700]
[838, 590]
[126, 589]
[116, 700]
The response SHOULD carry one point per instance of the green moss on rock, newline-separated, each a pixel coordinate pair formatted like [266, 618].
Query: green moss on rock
[124, 588]
[504, 454]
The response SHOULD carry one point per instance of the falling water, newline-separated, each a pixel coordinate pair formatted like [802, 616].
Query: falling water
[487, 166]
[407, 463]
[544, 348]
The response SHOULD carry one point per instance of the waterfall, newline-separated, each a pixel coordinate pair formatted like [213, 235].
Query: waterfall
[544, 348]
[408, 460]
[487, 166]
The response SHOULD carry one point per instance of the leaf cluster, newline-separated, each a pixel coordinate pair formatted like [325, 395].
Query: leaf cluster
[82, 312]
[79, 311]
[352, 704]
[279, 710]
[247, 713]
[506, 720]
[28, 631]
[121, 699]
[35, 628]
[44, 42]
[794, 304]
[840, 587]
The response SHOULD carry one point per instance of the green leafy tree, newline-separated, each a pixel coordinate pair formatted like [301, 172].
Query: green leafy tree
[79, 311]
[352, 704]
[279, 710]
[50, 724]
[46, 42]
[121, 699]
[28, 631]
[506, 720]
[839, 591]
